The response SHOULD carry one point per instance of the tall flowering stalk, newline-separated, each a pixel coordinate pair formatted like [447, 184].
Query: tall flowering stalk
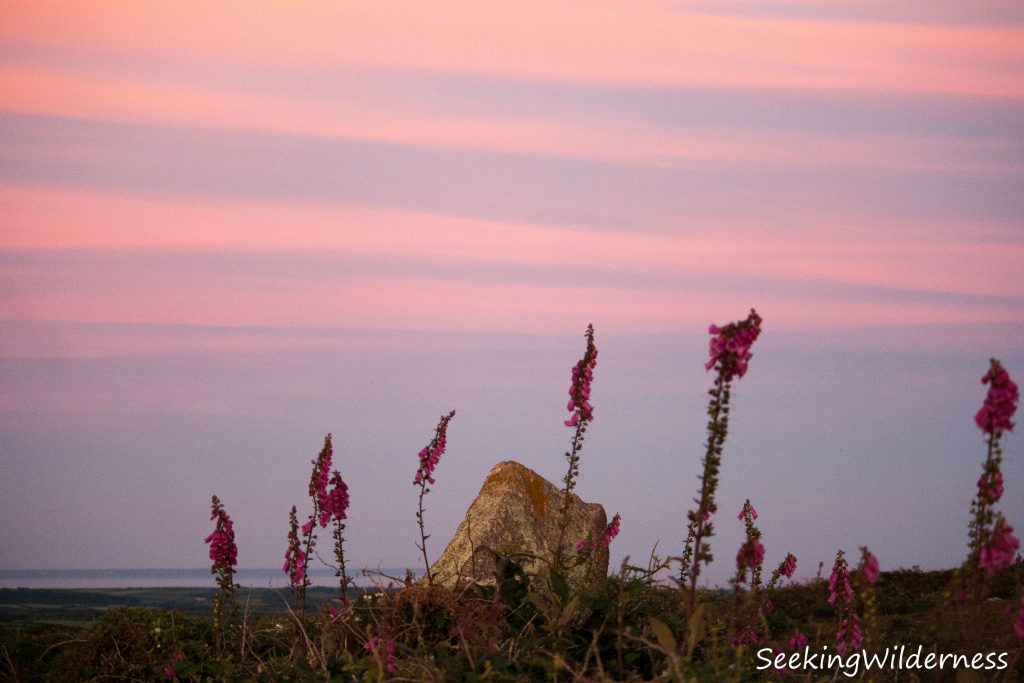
[328, 505]
[302, 548]
[582, 414]
[337, 507]
[224, 555]
[318, 482]
[992, 544]
[295, 562]
[750, 557]
[730, 355]
[430, 456]
[750, 621]
[866, 577]
[751, 553]
[849, 636]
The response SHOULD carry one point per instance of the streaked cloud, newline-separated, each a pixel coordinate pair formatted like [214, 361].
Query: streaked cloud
[596, 42]
[113, 97]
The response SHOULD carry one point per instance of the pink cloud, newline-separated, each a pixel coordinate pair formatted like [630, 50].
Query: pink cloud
[98, 94]
[892, 255]
[611, 42]
[789, 276]
[394, 302]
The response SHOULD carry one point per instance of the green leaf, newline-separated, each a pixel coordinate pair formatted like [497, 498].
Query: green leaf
[663, 634]
[569, 610]
[559, 585]
[695, 629]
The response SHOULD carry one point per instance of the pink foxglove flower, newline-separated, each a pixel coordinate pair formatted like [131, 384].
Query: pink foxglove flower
[871, 572]
[295, 565]
[431, 454]
[385, 649]
[839, 587]
[849, 637]
[336, 503]
[579, 390]
[611, 531]
[1000, 551]
[223, 550]
[318, 482]
[798, 641]
[294, 557]
[731, 344]
[789, 566]
[169, 671]
[1000, 403]
[429, 457]
[751, 554]
[746, 637]
[743, 511]
[990, 486]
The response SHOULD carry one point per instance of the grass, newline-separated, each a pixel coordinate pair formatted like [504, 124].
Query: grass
[626, 632]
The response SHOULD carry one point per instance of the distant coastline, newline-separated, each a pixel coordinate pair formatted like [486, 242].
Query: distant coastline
[168, 578]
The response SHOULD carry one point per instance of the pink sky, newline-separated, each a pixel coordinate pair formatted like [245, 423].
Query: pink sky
[237, 178]
[190, 66]
[173, 66]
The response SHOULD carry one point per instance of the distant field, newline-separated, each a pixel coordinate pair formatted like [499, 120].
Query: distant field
[37, 606]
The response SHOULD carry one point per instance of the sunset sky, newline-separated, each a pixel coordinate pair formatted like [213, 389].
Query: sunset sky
[229, 228]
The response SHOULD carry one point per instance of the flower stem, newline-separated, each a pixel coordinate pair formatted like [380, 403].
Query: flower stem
[573, 455]
[697, 550]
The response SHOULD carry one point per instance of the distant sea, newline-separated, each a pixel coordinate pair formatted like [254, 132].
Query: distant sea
[170, 578]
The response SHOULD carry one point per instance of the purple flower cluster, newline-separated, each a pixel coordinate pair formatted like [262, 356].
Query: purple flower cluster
[730, 347]
[377, 647]
[327, 504]
[609, 533]
[579, 391]
[849, 636]
[751, 554]
[1000, 551]
[169, 671]
[839, 587]
[990, 486]
[295, 564]
[743, 511]
[336, 501]
[223, 550]
[789, 566]
[294, 557]
[431, 455]
[747, 636]
[870, 568]
[318, 484]
[1000, 403]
